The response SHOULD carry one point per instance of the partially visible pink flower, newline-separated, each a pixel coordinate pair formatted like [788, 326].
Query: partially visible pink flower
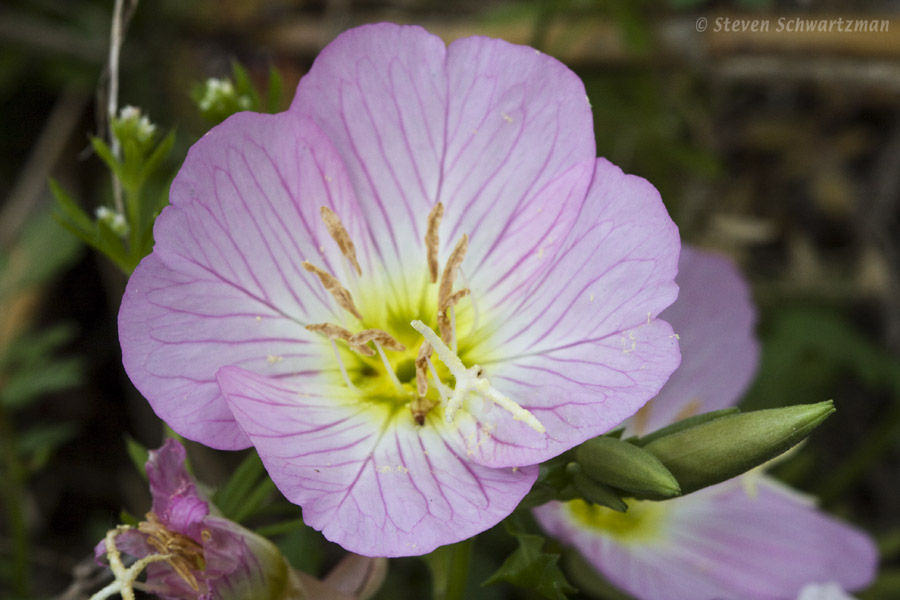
[210, 558]
[751, 537]
[411, 188]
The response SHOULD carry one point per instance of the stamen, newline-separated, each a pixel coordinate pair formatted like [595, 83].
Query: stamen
[471, 381]
[444, 391]
[445, 291]
[453, 299]
[422, 404]
[379, 337]
[186, 555]
[388, 368]
[448, 277]
[432, 240]
[339, 292]
[447, 326]
[421, 365]
[125, 579]
[339, 234]
[336, 332]
[340, 362]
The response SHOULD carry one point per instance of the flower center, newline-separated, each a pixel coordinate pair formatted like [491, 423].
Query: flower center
[389, 358]
[643, 521]
[183, 553]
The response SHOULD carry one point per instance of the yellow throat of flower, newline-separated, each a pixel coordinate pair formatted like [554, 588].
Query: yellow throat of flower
[644, 521]
[388, 359]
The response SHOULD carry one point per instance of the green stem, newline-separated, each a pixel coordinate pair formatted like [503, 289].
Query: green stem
[450, 570]
[13, 491]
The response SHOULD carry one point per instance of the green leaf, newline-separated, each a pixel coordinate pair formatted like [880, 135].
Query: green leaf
[37, 445]
[531, 568]
[106, 155]
[231, 497]
[24, 386]
[274, 91]
[138, 454]
[70, 209]
[244, 85]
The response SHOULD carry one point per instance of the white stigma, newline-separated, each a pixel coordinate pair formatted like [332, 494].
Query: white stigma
[470, 381]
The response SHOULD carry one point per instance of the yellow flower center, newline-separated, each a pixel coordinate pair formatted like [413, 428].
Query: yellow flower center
[389, 360]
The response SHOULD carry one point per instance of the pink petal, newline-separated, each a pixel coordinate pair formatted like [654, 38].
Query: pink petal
[482, 126]
[727, 541]
[582, 349]
[363, 472]
[714, 318]
[224, 284]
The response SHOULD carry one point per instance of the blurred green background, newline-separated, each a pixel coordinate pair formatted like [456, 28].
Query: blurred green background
[781, 150]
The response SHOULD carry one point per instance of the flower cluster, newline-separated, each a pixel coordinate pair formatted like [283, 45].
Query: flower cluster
[406, 291]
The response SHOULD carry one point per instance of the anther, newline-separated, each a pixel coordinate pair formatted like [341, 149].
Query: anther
[445, 291]
[339, 292]
[186, 555]
[421, 368]
[336, 332]
[422, 404]
[453, 299]
[447, 325]
[339, 234]
[432, 240]
[379, 337]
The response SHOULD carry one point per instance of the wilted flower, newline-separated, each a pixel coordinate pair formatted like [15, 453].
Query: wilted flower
[188, 553]
[750, 537]
[415, 200]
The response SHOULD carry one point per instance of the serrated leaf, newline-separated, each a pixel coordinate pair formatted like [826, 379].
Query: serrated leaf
[531, 568]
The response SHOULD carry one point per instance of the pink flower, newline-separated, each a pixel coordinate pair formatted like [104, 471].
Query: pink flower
[750, 537]
[413, 191]
[194, 554]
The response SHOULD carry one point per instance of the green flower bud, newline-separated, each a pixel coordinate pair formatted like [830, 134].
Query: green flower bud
[717, 450]
[594, 491]
[624, 466]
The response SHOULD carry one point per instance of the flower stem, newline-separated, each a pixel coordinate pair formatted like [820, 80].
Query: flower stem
[450, 570]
